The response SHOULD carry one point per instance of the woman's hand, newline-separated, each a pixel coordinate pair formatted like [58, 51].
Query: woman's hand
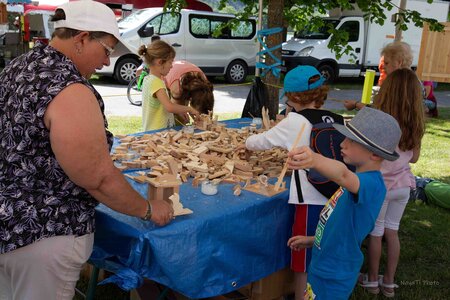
[162, 212]
[300, 242]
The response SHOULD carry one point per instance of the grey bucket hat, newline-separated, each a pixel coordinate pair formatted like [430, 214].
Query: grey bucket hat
[375, 130]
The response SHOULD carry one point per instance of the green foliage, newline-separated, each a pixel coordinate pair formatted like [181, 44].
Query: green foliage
[300, 14]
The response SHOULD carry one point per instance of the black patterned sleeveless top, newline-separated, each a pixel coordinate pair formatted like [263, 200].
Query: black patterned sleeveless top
[37, 199]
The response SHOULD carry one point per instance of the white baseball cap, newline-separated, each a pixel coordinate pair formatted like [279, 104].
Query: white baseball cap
[89, 16]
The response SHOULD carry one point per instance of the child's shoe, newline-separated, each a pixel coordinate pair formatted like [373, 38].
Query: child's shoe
[387, 288]
[370, 286]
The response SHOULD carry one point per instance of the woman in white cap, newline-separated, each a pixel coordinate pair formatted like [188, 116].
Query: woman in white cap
[54, 164]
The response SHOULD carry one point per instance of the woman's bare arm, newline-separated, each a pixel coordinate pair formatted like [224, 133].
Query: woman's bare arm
[78, 139]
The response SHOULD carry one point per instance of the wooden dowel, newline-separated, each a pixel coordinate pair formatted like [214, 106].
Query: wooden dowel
[283, 172]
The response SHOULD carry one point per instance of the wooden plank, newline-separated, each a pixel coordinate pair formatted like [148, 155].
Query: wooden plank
[283, 172]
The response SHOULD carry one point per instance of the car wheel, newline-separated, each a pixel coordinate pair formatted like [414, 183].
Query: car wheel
[327, 72]
[125, 70]
[236, 72]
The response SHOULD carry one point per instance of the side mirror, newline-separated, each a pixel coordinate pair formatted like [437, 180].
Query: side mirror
[146, 31]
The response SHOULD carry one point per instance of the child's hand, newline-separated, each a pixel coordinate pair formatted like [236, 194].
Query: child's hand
[359, 105]
[301, 158]
[350, 104]
[299, 242]
[193, 113]
[240, 147]
[184, 118]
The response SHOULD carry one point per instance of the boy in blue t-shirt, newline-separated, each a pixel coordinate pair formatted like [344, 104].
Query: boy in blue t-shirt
[350, 214]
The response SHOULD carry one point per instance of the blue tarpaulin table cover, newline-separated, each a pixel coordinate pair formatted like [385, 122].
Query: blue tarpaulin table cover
[228, 242]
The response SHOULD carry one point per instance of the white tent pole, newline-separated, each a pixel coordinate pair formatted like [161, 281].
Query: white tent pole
[258, 28]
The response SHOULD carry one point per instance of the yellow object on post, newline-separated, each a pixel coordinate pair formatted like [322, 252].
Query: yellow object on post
[368, 84]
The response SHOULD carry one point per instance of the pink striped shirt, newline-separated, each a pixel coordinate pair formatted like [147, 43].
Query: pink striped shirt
[397, 174]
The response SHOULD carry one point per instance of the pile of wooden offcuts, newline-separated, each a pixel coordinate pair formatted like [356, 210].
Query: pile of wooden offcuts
[208, 154]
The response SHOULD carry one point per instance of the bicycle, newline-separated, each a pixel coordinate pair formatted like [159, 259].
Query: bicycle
[134, 90]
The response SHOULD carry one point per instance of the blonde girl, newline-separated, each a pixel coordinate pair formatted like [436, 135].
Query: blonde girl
[157, 109]
[401, 97]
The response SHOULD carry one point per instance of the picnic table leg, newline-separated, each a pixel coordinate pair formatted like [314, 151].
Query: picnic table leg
[92, 283]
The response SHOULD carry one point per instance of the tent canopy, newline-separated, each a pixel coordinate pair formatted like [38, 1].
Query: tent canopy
[138, 4]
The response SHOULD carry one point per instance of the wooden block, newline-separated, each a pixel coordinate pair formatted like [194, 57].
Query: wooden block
[127, 139]
[120, 167]
[173, 166]
[154, 174]
[195, 181]
[184, 177]
[196, 166]
[193, 157]
[121, 149]
[268, 190]
[220, 149]
[218, 174]
[178, 209]
[229, 165]
[257, 170]
[243, 174]
[158, 168]
[141, 179]
[231, 179]
[237, 190]
[177, 136]
[243, 166]
[132, 164]
[176, 154]
[200, 150]
[149, 163]
[214, 158]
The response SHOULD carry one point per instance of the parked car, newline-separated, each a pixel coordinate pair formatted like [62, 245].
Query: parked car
[231, 54]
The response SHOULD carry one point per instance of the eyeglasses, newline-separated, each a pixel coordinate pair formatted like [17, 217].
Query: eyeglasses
[108, 49]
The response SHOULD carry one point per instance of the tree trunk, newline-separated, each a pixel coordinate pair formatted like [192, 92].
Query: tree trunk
[398, 30]
[275, 19]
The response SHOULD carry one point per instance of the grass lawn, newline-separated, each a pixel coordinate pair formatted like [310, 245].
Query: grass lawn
[424, 268]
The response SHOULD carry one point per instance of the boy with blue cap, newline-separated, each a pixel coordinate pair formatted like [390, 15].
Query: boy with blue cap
[350, 214]
[306, 93]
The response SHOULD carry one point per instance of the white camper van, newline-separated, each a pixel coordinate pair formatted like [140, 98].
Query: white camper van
[190, 32]
[367, 40]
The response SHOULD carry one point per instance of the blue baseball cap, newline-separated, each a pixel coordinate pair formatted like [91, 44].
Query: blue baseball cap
[297, 79]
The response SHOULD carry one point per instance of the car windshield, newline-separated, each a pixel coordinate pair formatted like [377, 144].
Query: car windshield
[320, 34]
[135, 19]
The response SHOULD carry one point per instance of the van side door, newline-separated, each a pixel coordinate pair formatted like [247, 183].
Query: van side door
[350, 65]
[169, 27]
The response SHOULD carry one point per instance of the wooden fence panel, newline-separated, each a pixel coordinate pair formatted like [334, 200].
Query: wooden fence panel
[434, 57]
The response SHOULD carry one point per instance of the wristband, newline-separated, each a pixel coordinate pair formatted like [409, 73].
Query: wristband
[148, 214]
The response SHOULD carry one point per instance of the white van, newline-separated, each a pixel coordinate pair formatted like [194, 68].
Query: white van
[367, 39]
[190, 32]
